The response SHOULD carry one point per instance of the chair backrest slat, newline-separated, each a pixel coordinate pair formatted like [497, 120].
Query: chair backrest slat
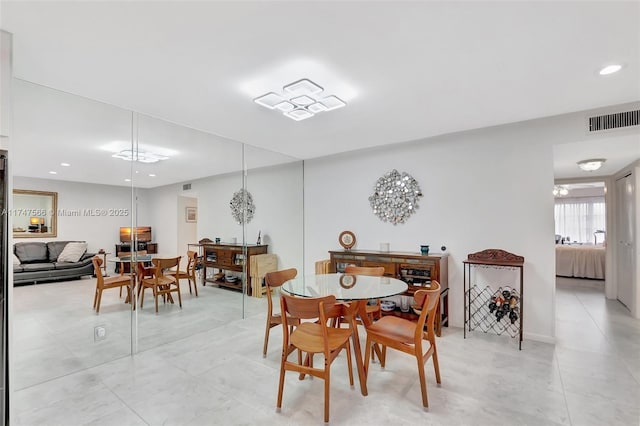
[161, 264]
[427, 300]
[276, 279]
[307, 307]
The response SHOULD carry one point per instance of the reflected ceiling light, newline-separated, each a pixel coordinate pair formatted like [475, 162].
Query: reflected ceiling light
[591, 164]
[65, 164]
[300, 100]
[127, 180]
[140, 156]
[53, 173]
[610, 69]
[152, 175]
[560, 191]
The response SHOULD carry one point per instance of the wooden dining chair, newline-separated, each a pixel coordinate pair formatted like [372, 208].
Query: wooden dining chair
[162, 284]
[312, 338]
[407, 336]
[190, 273]
[373, 311]
[273, 281]
[125, 258]
[103, 283]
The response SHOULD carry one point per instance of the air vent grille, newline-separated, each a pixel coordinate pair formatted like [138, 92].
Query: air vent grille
[614, 121]
[186, 187]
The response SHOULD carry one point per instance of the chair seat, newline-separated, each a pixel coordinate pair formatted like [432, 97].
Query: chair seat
[308, 337]
[164, 280]
[117, 280]
[395, 328]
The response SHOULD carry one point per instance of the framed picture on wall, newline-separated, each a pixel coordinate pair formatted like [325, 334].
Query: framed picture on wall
[191, 214]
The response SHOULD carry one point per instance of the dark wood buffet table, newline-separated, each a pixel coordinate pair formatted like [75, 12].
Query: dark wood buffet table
[415, 269]
[229, 257]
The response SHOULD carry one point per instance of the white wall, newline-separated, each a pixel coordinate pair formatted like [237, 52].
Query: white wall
[482, 189]
[277, 195]
[187, 231]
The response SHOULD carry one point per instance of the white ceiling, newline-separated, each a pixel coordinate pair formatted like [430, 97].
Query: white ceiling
[408, 70]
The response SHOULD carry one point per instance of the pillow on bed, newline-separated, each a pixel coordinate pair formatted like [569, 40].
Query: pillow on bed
[16, 261]
[72, 252]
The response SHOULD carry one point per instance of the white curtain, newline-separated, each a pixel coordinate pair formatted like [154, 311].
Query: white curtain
[579, 218]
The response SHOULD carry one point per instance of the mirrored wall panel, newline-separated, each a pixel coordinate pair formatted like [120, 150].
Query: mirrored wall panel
[185, 180]
[70, 199]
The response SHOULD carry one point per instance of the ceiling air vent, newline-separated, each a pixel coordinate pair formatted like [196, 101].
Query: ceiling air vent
[614, 121]
[186, 187]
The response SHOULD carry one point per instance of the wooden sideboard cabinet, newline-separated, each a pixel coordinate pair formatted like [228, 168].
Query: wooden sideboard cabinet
[415, 269]
[229, 257]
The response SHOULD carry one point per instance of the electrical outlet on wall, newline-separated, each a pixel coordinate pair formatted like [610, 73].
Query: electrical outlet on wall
[99, 333]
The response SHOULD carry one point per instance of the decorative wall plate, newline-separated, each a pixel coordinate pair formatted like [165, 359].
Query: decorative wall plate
[347, 239]
[242, 207]
[347, 281]
[395, 197]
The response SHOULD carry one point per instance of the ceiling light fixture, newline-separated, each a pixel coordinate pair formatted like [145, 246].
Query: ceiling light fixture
[591, 164]
[65, 164]
[53, 173]
[560, 191]
[300, 100]
[610, 69]
[140, 156]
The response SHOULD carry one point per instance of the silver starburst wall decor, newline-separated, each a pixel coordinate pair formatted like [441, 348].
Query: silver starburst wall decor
[395, 197]
[242, 207]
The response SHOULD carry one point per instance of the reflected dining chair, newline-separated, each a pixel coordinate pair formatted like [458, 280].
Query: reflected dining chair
[190, 273]
[408, 336]
[103, 283]
[312, 338]
[162, 284]
[273, 281]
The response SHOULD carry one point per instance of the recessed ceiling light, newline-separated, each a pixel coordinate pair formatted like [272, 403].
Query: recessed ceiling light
[53, 173]
[65, 164]
[152, 175]
[127, 180]
[610, 69]
[591, 164]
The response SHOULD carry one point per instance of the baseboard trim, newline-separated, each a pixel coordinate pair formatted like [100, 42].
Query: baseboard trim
[539, 338]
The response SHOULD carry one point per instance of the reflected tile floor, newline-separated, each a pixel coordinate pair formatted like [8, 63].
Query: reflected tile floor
[203, 365]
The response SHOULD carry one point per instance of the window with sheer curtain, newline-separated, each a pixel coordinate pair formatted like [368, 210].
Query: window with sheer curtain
[580, 218]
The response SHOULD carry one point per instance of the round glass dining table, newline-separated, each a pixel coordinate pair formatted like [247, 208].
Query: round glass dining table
[344, 287]
[355, 289]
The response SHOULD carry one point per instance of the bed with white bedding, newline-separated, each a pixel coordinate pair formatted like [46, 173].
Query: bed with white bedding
[580, 261]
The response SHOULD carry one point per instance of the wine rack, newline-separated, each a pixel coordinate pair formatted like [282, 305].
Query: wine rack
[496, 308]
[496, 319]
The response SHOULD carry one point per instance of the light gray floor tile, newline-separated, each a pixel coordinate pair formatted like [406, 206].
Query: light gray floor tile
[203, 365]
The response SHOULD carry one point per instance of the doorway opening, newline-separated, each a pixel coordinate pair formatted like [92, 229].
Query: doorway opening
[580, 213]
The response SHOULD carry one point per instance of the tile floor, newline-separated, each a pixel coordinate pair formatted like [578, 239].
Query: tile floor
[202, 365]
